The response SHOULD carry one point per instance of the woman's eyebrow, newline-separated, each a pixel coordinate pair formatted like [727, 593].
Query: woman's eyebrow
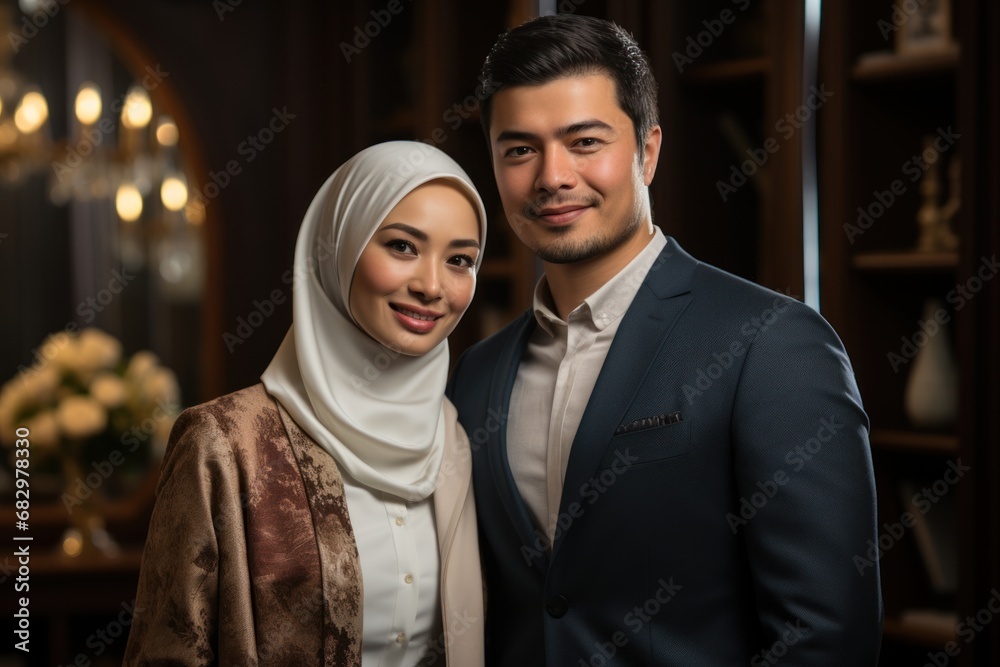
[412, 231]
[421, 236]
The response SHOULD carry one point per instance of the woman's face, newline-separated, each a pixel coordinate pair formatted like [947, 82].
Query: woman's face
[416, 276]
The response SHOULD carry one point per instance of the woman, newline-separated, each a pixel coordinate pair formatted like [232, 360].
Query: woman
[309, 520]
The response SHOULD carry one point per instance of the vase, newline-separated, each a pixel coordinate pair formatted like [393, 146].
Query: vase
[931, 399]
[87, 536]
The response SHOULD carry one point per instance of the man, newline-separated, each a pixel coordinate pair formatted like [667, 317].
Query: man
[671, 464]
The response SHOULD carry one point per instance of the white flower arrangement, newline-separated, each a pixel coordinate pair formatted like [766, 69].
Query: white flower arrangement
[82, 389]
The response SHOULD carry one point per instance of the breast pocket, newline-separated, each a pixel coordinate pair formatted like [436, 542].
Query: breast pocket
[647, 445]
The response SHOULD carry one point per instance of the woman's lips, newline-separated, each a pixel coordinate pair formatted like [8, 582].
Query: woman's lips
[411, 318]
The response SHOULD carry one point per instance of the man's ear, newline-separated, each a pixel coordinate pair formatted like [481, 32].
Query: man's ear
[651, 153]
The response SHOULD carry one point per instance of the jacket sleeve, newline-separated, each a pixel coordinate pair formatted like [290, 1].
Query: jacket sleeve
[193, 604]
[807, 488]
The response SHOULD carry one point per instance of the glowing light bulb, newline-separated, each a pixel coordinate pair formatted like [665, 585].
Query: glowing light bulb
[166, 131]
[128, 202]
[138, 109]
[174, 193]
[88, 103]
[32, 112]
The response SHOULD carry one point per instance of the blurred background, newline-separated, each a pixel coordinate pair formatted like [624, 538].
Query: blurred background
[156, 160]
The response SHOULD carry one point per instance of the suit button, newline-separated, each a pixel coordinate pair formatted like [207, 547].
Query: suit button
[557, 606]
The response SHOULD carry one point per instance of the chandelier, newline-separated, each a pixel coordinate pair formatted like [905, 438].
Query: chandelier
[24, 113]
[121, 158]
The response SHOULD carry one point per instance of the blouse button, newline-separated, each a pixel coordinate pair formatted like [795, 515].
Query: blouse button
[408, 578]
[399, 521]
[400, 638]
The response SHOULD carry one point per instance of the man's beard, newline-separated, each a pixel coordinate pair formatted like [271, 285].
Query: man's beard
[568, 252]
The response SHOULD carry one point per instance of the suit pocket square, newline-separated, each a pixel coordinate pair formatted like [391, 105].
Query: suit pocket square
[646, 445]
[649, 422]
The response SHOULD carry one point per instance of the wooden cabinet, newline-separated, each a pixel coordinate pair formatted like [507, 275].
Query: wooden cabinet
[734, 107]
[900, 130]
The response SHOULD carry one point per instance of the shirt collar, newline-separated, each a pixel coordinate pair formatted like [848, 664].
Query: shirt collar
[609, 302]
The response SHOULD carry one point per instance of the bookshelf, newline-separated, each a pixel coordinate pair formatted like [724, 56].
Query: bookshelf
[729, 73]
[875, 286]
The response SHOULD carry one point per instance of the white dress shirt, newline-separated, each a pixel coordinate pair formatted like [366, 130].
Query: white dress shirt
[400, 575]
[555, 379]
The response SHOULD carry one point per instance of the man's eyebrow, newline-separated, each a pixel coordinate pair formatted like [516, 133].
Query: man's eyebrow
[574, 128]
[422, 236]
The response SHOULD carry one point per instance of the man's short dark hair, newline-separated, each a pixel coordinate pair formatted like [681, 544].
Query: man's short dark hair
[553, 47]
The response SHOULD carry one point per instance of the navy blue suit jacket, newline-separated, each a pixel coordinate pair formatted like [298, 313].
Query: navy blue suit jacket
[719, 497]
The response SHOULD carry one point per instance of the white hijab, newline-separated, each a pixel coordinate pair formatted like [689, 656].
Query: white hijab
[379, 413]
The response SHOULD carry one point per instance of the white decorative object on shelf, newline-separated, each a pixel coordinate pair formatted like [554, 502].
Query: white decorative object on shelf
[932, 389]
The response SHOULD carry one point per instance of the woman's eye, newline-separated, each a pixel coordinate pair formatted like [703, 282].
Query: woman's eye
[399, 245]
[464, 261]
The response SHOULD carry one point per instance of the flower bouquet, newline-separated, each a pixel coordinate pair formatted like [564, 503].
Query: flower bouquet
[100, 418]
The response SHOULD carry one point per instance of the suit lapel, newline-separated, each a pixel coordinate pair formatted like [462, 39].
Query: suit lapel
[500, 391]
[661, 299]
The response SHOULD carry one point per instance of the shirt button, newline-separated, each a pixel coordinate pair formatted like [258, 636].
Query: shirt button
[400, 638]
[408, 578]
[399, 521]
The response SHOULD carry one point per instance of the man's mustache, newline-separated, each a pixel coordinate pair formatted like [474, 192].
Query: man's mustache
[533, 209]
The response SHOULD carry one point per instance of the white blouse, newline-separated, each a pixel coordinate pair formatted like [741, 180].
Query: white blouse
[400, 571]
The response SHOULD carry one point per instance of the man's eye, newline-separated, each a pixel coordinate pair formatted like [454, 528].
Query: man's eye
[518, 151]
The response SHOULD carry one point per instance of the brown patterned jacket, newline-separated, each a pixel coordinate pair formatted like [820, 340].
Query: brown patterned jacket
[251, 559]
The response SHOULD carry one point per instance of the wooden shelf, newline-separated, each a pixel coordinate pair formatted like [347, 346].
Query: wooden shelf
[884, 66]
[906, 260]
[914, 442]
[927, 628]
[729, 71]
